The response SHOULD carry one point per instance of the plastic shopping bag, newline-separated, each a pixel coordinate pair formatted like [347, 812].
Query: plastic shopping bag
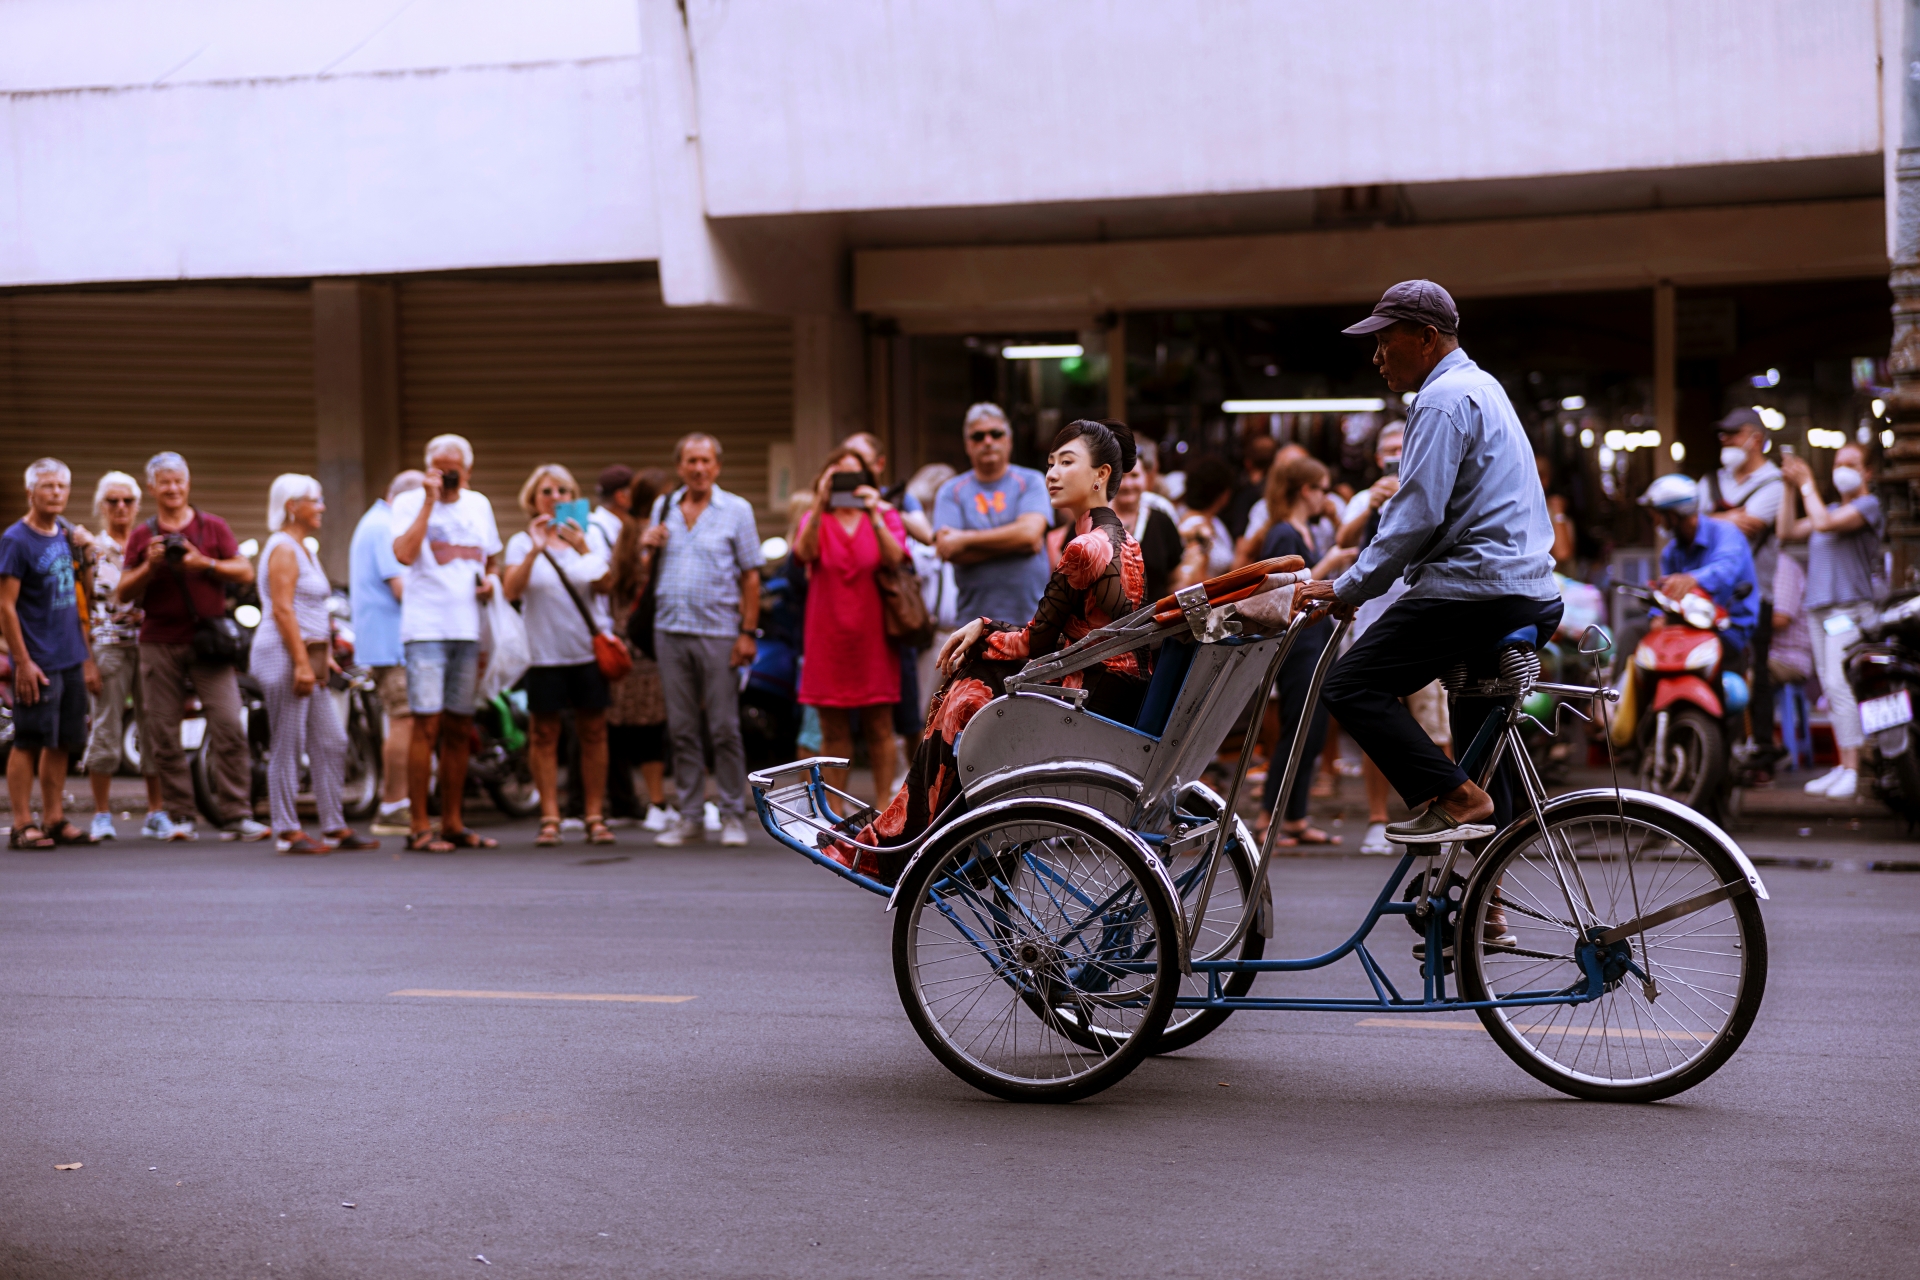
[504, 655]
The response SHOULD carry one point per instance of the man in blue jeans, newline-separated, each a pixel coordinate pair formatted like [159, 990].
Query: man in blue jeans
[1469, 531]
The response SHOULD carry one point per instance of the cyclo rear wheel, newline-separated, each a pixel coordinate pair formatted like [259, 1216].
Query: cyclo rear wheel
[1185, 1027]
[1708, 967]
[1022, 912]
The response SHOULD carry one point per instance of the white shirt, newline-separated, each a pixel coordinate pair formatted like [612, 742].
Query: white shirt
[607, 521]
[557, 636]
[437, 602]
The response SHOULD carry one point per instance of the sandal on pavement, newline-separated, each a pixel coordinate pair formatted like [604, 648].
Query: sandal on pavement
[598, 832]
[29, 837]
[467, 838]
[427, 842]
[1308, 834]
[299, 842]
[345, 838]
[549, 833]
[67, 833]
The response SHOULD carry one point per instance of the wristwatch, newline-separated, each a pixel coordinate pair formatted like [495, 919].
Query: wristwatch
[754, 632]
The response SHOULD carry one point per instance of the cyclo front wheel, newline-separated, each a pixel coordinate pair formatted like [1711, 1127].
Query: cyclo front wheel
[1679, 996]
[1017, 915]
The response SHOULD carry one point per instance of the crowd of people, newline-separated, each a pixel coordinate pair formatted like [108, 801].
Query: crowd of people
[641, 614]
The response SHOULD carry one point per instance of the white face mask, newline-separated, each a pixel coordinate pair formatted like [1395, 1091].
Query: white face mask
[1732, 456]
[1846, 480]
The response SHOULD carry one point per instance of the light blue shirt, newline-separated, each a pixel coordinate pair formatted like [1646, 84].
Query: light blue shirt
[1470, 520]
[376, 614]
[1005, 588]
[699, 591]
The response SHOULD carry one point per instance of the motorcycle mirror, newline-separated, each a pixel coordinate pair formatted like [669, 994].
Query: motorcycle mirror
[1595, 640]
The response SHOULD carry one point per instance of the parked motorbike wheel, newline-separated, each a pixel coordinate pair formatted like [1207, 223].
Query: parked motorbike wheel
[360, 791]
[1691, 765]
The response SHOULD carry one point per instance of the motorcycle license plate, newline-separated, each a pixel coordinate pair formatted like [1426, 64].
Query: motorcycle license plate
[1890, 712]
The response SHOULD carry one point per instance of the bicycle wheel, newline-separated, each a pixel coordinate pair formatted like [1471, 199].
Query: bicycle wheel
[1017, 915]
[1680, 996]
[1185, 1027]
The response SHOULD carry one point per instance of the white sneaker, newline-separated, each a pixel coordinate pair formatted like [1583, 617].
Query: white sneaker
[1375, 841]
[732, 832]
[1822, 784]
[102, 828]
[394, 819]
[659, 817]
[1844, 786]
[246, 829]
[682, 832]
[182, 829]
[158, 826]
[710, 816]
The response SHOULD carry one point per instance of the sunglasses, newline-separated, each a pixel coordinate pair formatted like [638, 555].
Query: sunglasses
[981, 437]
[548, 491]
[118, 502]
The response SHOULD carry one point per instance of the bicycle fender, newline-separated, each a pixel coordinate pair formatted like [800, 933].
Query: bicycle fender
[1711, 828]
[1107, 825]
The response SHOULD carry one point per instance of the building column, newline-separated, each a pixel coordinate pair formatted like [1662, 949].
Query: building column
[829, 389]
[1666, 389]
[1117, 369]
[1900, 469]
[356, 396]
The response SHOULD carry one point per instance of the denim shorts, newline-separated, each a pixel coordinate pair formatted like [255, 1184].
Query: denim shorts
[59, 718]
[441, 675]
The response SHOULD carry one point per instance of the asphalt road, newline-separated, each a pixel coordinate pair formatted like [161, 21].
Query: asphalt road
[211, 1032]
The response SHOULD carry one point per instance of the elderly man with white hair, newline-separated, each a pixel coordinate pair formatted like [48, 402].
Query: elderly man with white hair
[179, 565]
[445, 535]
[116, 651]
[53, 667]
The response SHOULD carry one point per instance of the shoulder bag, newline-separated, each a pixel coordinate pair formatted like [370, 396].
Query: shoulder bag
[217, 641]
[609, 651]
[903, 605]
[640, 621]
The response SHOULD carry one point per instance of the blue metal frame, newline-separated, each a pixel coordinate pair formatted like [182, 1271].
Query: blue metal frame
[817, 789]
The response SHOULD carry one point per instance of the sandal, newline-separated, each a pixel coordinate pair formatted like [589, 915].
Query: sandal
[1308, 834]
[549, 833]
[299, 843]
[467, 838]
[598, 832]
[67, 833]
[427, 842]
[29, 837]
[345, 838]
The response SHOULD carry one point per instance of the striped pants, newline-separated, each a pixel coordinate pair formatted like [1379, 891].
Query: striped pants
[301, 726]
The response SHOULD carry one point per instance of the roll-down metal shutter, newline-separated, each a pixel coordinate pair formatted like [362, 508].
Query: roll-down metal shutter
[588, 373]
[105, 380]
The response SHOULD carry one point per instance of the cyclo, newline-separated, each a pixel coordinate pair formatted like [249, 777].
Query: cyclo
[1089, 901]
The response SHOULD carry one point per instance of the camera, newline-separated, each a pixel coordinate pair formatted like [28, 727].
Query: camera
[449, 482]
[176, 547]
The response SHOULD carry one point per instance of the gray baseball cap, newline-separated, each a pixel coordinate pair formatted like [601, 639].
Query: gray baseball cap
[1420, 301]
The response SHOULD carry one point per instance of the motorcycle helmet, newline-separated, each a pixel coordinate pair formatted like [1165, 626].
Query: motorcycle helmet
[1673, 495]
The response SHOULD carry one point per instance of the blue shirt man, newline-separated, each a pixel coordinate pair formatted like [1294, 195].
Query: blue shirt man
[1713, 554]
[990, 524]
[371, 567]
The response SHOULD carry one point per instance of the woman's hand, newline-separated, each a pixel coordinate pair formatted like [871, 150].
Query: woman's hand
[1197, 528]
[540, 533]
[1795, 469]
[565, 532]
[954, 652]
[303, 680]
[869, 498]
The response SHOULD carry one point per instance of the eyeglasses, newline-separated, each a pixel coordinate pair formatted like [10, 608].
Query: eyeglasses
[118, 502]
[981, 437]
[548, 491]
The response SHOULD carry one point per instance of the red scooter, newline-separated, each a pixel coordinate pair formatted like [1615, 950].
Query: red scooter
[1672, 708]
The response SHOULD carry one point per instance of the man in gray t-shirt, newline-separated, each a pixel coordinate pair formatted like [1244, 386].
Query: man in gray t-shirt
[990, 524]
[1745, 492]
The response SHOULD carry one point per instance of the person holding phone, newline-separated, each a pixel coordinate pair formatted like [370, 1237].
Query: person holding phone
[561, 539]
[445, 536]
[851, 666]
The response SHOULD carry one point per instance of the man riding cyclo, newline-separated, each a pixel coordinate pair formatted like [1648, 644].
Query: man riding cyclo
[1469, 531]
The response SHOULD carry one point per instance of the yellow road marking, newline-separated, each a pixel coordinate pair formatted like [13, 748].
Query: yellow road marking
[543, 995]
[1545, 1028]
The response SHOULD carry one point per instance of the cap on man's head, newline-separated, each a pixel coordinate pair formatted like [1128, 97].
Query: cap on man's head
[1421, 302]
[1674, 494]
[614, 479]
[1740, 420]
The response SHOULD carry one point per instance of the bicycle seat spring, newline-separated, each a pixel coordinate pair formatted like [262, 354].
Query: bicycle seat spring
[1520, 664]
[1519, 669]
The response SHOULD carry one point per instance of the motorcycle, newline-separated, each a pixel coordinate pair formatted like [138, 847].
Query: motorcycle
[1675, 698]
[1883, 670]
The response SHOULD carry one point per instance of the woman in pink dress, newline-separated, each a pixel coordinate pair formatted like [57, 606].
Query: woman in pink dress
[849, 663]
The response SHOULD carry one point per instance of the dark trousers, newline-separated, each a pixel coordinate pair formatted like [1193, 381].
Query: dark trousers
[1413, 644]
[1296, 673]
[1760, 708]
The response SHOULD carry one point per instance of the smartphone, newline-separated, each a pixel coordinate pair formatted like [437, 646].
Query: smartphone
[843, 484]
[574, 513]
[449, 482]
[1391, 467]
[1787, 449]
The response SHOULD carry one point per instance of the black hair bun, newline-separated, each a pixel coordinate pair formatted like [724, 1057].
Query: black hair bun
[1123, 436]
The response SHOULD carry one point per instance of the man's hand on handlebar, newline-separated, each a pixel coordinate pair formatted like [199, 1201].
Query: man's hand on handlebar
[1320, 592]
[1677, 586]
